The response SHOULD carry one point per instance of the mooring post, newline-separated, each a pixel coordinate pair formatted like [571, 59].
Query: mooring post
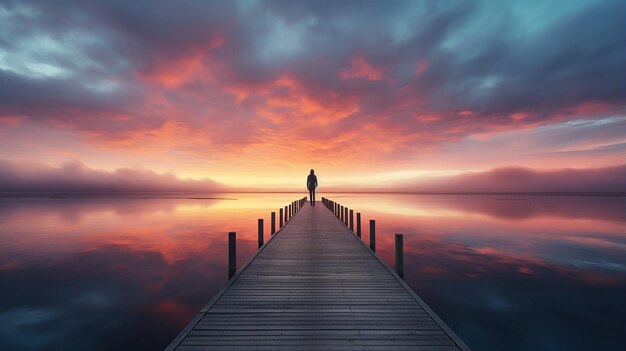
[399, 256]
[290, 210]
[232, 254]
[352, 220]
[273, 228]
[280, 217]
[345, 216]
[358, 224]
[373, 235]
[260, 232]
[341, 214]
[286, 213]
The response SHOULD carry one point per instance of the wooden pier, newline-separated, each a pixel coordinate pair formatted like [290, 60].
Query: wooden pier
[316, 286]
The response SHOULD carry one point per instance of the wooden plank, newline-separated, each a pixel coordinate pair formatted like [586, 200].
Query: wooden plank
[316, 285]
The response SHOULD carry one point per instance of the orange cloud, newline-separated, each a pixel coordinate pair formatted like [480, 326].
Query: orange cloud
[175, 72]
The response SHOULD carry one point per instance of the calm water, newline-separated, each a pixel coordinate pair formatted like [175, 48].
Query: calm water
[505, 272]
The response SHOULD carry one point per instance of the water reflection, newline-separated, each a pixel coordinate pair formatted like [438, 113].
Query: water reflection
[515, 273]
[127, 272]
[112, 272]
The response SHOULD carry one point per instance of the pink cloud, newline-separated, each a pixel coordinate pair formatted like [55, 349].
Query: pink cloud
[360, 68]
[524, 180]
[76, 177]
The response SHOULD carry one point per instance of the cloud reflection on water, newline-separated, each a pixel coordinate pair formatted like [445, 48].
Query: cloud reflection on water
[511, 272]
[508, 272]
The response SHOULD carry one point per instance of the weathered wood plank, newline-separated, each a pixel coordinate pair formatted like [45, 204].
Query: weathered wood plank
[315, 285]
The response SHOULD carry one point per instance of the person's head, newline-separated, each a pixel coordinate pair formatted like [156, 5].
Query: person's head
[312, 172]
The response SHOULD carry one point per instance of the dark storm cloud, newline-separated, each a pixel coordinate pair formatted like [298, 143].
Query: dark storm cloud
[433, 58]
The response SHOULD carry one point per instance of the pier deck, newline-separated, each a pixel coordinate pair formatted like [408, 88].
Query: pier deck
[316, 286]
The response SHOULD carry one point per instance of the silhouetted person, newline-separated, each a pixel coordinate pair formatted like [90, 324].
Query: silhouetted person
[311, 184]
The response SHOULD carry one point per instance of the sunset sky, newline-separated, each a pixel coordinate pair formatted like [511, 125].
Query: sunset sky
[256, 93]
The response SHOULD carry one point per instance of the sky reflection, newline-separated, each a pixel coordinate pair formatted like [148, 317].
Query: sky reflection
[126, 272]
[117, 273]
[511, 272]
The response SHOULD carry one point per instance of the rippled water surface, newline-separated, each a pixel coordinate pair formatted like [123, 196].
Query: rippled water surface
[124, 272]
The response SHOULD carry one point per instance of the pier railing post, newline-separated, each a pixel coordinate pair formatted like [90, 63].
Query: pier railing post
[399, 256]
[286, 215]
[358, 224]
[352, 220]
[373, 235]
[345, 216]
[260, 232]
[280, 217]
[341, 214]
[273, 222]
[290, 210]
[232, 254]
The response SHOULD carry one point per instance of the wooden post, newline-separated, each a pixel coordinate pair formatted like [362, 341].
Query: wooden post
[286, 217]
[352, 220]
[358, 224]
[345, 216]
[260, 232]
[232, 254]
[290, 210]
[280, 217]
[341, 214]
[373, 235]
[273, 228]
[399, 256]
